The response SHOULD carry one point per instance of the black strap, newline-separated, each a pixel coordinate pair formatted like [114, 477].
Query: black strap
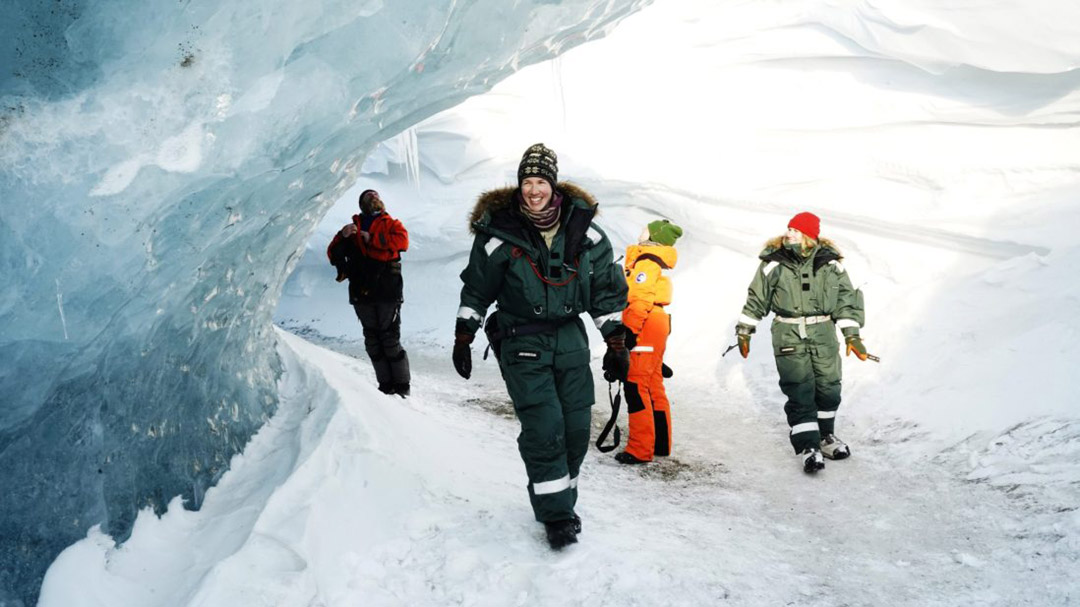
[615, 402]
[652, 258]
[531, 328]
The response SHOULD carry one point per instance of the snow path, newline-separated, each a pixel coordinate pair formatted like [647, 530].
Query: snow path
[728, 516]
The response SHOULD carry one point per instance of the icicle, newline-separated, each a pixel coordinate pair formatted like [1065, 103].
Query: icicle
[556, 77]
[60, 306]
[412, 156]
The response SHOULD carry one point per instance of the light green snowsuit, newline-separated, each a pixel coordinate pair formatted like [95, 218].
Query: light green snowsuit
[811, 297]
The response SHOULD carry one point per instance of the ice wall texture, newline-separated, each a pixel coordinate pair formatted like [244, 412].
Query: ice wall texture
[161, 167]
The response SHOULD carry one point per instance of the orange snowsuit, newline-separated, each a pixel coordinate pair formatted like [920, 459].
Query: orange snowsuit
[646, 401]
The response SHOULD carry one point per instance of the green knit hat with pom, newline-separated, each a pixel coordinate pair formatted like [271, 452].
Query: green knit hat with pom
[664, 232]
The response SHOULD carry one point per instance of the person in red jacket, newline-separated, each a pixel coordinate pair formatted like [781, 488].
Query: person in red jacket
[368, 253]
[649, 291]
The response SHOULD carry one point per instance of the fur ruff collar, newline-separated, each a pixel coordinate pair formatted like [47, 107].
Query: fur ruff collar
[498, 199]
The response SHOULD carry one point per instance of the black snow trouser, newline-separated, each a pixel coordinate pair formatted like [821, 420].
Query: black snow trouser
[382, 340]
[553, 397]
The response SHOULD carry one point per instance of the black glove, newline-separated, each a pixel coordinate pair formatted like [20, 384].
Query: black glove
[342, 271]
[463, 354]
[616, 363]
[666, 371]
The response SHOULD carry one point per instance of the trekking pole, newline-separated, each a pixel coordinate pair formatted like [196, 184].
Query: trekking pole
[730, 348]
[872, 357]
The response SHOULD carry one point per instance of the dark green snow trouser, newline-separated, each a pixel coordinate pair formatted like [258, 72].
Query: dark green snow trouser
[810, 377]
[553, 403]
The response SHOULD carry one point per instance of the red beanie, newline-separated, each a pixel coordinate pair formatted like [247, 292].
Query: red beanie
[807, 223]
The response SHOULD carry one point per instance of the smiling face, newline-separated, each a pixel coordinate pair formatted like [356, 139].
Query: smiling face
[537, 193]
[793, 236]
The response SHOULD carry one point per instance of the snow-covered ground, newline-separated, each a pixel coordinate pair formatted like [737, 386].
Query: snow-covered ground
[940, 149]
[351, 497]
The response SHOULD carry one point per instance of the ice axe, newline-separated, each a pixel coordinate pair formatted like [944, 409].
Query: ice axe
[851, 347]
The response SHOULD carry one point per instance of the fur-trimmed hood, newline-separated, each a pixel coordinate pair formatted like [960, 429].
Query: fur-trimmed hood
[776, 243]
[495, 200]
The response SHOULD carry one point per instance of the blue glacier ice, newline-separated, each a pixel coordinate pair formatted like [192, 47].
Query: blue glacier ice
[162, 165]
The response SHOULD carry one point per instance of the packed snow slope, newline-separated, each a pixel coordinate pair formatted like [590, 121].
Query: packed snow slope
[161, 167]
[937, 143]
[349, 497]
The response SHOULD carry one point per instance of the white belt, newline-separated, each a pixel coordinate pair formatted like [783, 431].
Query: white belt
[802, 321]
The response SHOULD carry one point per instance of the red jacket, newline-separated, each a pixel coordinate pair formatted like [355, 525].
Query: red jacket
[388, 239]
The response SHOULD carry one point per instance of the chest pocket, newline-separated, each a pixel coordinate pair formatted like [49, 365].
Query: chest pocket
[786, 293]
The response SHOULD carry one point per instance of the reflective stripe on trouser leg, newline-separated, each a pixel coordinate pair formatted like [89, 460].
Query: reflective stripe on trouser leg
[827, 377]
[549, 487]
[797, 383]
[554, 437]
[826, 422]
[575, 389]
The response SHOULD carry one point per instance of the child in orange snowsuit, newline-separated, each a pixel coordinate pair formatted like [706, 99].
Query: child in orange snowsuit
[649, 291]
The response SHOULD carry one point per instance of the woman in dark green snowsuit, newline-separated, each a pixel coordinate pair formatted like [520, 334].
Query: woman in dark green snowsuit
[802, 280]
[538, 255]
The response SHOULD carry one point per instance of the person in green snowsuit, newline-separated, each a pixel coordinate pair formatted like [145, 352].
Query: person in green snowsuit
[801, 279]
[539, 256]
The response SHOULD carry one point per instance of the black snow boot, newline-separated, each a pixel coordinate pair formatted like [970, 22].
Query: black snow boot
[834, 448]
[625, 458]
[401, 390]
[577, 524]
[812, 460]
[560, 534]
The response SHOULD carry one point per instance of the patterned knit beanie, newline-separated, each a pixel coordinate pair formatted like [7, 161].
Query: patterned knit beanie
[807, 223]
[664, 232]
[539, 161]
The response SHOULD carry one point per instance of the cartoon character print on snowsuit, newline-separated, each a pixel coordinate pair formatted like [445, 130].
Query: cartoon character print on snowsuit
[812, 296]
[646, 399]
[547, 374]
[376, 291]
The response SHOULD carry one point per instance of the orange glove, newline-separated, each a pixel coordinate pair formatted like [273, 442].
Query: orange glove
[742, 333]
[854, 344]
